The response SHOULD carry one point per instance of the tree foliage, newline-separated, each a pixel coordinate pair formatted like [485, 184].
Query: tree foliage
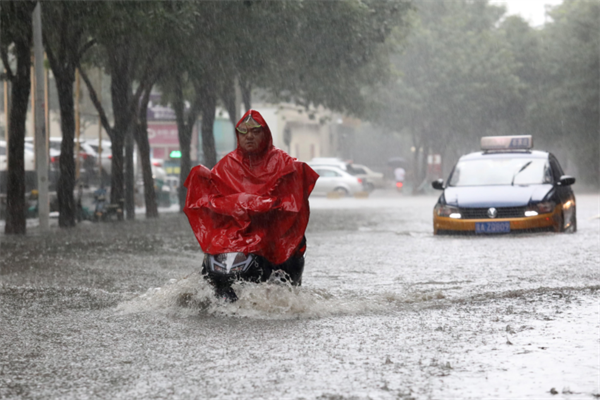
[311, 53]
[443, 73]
[455, 79]
[132, 50]
[564, 108]
[466, 71]
[318, 53]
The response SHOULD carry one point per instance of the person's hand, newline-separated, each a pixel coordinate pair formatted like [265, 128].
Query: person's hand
[239, 212]
[261, 204]
[243, 205]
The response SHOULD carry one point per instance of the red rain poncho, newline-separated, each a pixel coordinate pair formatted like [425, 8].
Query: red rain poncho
[252, 203]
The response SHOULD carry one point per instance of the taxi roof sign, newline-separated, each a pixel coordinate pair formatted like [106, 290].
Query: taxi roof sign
[524, 142]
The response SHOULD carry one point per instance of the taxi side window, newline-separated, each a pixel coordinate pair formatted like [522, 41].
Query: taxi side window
[548, 178]
[556, 169]
[454, 176]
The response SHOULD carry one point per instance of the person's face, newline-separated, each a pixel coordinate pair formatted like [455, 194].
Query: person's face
[253, 140]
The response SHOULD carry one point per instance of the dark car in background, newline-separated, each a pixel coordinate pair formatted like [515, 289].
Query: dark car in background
[507, 187]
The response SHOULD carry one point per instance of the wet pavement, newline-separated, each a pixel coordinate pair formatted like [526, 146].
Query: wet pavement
[386, 311]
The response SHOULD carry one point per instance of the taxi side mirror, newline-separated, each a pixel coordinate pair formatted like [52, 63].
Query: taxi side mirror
[438, 184]
[566, 180]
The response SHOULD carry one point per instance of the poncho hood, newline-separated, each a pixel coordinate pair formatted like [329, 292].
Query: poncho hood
[255, 115]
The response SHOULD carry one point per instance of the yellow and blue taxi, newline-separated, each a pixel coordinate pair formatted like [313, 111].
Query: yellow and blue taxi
[506, 187]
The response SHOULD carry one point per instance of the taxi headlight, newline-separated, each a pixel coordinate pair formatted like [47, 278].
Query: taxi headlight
[568, 205]
[543, 207]
[447, 211]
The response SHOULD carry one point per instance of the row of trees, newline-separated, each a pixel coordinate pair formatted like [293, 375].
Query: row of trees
[311, 53]
[442, 73]
[466, 71]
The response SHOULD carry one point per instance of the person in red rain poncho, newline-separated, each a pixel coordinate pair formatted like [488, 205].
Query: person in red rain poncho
[255, 201]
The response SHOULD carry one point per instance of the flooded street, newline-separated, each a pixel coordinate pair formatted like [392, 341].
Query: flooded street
[386, 311]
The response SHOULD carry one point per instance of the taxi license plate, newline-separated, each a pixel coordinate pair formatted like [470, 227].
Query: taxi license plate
[492, 227]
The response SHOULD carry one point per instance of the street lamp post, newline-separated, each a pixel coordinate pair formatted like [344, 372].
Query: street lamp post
[6, 112]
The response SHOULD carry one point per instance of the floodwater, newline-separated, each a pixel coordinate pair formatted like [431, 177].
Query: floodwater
[386, 311]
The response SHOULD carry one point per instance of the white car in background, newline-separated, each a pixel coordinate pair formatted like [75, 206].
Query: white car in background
[333, 179]
[107, 155]
[328, 161]
[52, 153]
[87, 155]
[372, 180]
[29, 157]
[106, 159]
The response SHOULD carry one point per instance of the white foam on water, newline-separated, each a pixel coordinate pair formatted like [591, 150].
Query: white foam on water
[168, 298]
[192, 296]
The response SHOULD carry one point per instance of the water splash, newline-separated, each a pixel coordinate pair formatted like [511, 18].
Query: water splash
[193, 296]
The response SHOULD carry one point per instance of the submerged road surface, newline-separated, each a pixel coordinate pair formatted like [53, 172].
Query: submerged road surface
[386, 311]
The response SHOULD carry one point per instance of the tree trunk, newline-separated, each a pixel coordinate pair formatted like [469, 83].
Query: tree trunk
[144, 148]
[185, 166]
[120, 95]
[415, 173]
[117, 193]
[246, 89]
[185, 139]
[185, 129]
[228, 99]
[64, 51]
[129, 177]
[15, 189]
[208, 108]
[66, 181]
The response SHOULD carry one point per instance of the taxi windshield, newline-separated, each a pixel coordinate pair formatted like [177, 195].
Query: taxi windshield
[501, 171]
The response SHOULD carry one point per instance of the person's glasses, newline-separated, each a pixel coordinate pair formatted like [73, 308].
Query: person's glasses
[247, 125]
